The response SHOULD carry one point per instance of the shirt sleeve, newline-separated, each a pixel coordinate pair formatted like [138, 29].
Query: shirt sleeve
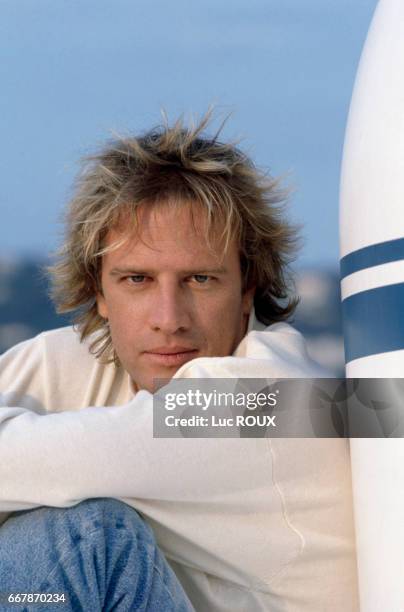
[21, 376]
[60, 459]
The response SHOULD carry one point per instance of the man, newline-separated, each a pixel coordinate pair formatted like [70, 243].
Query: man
[175, 260]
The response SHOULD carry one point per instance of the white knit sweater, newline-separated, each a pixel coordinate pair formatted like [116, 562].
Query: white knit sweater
[247, 524]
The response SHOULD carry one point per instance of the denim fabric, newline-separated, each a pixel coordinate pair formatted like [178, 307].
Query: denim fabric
[100, 553]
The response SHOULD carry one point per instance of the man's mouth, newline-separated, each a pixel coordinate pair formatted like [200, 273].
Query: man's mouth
[171, 356]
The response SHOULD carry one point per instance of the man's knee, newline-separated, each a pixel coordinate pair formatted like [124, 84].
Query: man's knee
[99, 552]
[55, 537]
[58, 529]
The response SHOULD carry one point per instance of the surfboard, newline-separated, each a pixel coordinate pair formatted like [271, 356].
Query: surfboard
[372, 291]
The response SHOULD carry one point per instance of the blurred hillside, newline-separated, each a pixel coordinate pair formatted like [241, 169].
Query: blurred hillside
[26, 310]
[318, 317]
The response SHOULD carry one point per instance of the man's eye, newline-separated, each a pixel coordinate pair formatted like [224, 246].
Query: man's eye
[201, 279]
[136, 278]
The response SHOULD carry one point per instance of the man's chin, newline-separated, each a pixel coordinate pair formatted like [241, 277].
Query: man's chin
[159, 369]
[153, 382]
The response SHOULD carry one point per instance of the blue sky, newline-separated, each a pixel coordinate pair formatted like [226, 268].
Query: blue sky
[72, 71]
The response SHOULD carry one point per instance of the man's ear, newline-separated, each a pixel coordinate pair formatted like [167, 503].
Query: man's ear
[248, 300]
[102, 306]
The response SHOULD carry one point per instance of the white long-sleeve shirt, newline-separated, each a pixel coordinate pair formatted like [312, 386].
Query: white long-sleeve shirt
[247, 524]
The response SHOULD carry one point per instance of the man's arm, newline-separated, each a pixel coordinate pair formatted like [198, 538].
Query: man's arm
[59, 458]
[63, 458]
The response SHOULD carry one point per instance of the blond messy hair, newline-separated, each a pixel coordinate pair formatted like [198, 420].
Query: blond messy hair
[173, 164]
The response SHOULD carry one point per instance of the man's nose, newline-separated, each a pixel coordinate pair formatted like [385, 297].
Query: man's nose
[169, 311]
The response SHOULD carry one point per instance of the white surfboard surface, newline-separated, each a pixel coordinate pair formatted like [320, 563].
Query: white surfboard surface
[372, 287]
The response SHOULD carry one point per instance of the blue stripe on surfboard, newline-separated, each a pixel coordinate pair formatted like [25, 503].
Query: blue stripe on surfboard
[374, 321]
[372, 255]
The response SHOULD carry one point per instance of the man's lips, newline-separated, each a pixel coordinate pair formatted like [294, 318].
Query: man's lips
[170, 356]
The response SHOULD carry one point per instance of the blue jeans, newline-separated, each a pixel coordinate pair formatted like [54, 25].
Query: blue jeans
[100, 554]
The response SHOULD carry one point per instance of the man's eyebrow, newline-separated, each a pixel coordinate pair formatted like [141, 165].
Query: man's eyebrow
[196, 270]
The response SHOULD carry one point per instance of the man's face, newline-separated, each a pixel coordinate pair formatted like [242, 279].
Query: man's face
[168, 296]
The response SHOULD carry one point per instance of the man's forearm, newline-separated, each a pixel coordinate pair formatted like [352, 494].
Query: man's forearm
[59, 459]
